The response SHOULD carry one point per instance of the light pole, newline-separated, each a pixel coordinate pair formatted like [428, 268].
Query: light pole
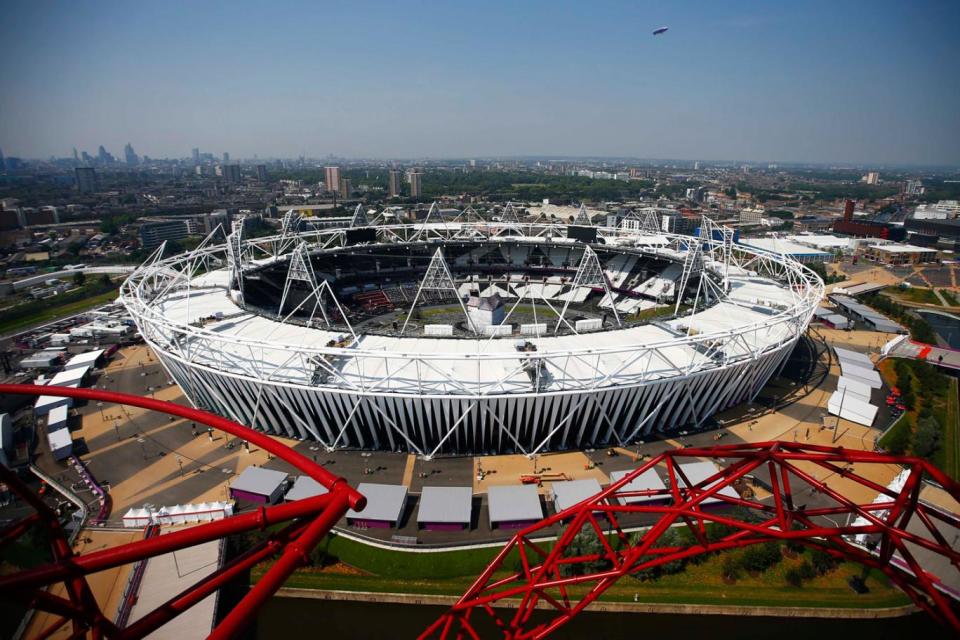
[143, 447]
[180, 462]
[100, 406]
[116, 427]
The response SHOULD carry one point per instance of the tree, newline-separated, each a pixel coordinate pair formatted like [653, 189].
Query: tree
[105, 280]
[585, 543]
[79, 278]
[926, 437]
[822, 562]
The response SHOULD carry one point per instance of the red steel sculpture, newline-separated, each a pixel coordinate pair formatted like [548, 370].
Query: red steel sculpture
[307, 521]
[896, 534]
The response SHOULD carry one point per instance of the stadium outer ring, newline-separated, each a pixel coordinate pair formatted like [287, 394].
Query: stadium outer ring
[456, 414]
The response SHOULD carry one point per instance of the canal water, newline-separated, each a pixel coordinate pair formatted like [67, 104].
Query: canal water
[284, 618]
[947, 326]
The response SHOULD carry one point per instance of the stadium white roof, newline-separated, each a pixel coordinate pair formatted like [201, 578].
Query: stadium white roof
[305, 487]
[384, 502]
[258, 480]
[514, 503]
[649, 480]
[570, 492]
[446, 504]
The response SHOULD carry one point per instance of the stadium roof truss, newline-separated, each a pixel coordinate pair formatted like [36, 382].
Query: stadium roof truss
[363, 375]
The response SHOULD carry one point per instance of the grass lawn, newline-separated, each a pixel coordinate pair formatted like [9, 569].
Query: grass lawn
[53, 312]
[365, 568]
[950, 298]
[919, 295]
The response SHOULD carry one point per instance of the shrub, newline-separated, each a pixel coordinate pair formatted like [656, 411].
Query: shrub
[793, 577]
[822, 562]
[807, 572]
[730, 567]
[761, 557]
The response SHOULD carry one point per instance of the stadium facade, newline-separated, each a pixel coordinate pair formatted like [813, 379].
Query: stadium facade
[330, 335]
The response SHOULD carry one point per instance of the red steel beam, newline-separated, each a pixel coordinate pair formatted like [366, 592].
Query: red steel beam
[780, 521]
[310, 519]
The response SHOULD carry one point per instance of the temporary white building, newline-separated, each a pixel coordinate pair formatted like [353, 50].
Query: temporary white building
[854, 388]
[849, 407]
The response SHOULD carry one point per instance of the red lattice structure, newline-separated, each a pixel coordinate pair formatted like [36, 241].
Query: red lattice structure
[896, 534]
[307, 522]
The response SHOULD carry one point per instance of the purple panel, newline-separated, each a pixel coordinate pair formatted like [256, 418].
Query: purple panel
[237, 494]
[515, 524]
[443, 526]
[371, 524]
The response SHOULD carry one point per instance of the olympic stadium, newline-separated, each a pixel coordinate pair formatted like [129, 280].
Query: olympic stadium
[467, 335]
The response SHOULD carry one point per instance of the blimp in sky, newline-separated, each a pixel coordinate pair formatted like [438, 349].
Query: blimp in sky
[657, 32]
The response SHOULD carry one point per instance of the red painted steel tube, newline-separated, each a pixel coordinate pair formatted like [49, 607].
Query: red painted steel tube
[293, 556]
[265, 442]
[133, 551]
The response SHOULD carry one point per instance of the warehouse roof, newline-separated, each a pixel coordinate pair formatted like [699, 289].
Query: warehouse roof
[570, 492]
[514, 503]
[384, 502]
[305, 487]
[258, 480]
[646, 481]
[446, 504]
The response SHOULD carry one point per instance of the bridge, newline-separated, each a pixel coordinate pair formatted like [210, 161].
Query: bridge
[908, 540]
[903, 347]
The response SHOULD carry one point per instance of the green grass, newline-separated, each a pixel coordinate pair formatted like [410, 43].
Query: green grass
[950, 298]
[451, 573]
[920, 295]
[406, 565]
[52, 313]
[893, 433]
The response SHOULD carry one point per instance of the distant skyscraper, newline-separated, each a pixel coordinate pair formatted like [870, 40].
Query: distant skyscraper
[332, 179]
[872, 177]
[76, 156]
[196, 156]
[129, 156]
[415, 187]
[103, 156]
[231, 172]
[86, 178]
[262, 172]
[226, 158]
[696, 166]
[395, 182]
[86, 158]
[3, 162]
[345, 187]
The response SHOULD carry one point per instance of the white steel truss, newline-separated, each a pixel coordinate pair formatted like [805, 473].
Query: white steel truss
[509, 216]
[359, 217]
[525, 400]
[438, 278]
[582, 218]
[589, 274]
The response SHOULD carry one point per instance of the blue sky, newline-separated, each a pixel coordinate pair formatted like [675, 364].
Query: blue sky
[842, 81]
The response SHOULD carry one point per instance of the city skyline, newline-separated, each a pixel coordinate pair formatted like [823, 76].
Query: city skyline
[808, 84]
